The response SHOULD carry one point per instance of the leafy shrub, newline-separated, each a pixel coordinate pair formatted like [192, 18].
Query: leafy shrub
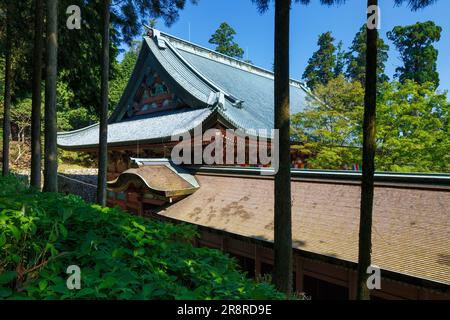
[77, 159]
[121, 256]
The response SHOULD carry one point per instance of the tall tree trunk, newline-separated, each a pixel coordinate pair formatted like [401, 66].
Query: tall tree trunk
[283, 230]
[51, 152]
[103, 134]
[7, 97]
[36, 104]
[368, 167]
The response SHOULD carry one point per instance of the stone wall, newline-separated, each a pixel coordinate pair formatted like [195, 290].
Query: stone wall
[83, 185]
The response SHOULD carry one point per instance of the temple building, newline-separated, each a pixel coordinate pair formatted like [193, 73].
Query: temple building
[179, 88]
[176, 87]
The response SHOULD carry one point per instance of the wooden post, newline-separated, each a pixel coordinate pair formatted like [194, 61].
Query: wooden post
[257, 261]
[299, 274]
[352, 287]
[223, 245]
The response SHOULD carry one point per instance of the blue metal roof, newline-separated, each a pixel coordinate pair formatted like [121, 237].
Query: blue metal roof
[256, 91]
[211, 83]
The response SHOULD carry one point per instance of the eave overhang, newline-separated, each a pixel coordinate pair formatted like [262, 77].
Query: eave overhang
[156, 176]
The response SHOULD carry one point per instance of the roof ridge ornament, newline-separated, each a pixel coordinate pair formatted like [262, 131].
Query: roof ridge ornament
[156, 35]
[221, 100]
[217, 99]
[238, 104]
[149, 161]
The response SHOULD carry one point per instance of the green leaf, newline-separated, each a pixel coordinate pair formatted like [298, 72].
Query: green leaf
[53, 237]
[5, 292]
[14, 258]
[43, 284]
[60, 288]
[85, 292]
[7, 277]
[147, 289]
[2, 240]
[15, 231]
[107, 283]
[139, 252]
[67, 213]
[63, 230]
[139, 226]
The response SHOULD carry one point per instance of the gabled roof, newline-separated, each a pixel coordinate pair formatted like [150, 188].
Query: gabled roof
[214, 86]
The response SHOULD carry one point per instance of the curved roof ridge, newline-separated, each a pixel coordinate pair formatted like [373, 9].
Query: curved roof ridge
[159, 177]
[233, 62]
[62, 133]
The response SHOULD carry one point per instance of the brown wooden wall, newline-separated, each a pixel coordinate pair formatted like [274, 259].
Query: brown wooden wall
[342, 278]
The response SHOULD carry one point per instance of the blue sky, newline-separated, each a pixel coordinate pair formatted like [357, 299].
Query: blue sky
[255, 32]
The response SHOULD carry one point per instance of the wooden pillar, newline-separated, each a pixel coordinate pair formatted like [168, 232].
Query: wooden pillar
[140, 205]
[299, 274]
[223, 245]
[195, 242]
[352, 285]
[257, 261]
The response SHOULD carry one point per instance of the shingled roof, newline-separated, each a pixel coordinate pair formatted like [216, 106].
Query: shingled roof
[212, 85]
[411, 227]
[156, 175]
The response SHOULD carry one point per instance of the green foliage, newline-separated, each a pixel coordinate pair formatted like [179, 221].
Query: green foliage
[416, 4]
[356, 58]
[78, 50]
[121, 256]
[322, 65]
[69, 116]
[126, 67]
[79, 53]
[74, 158]
[413, 126]
[223, 38]
[419, 56]
[79, 56]
[330, 125]
[21, 117]
[21, 44]
[128, 16]
[340, 60]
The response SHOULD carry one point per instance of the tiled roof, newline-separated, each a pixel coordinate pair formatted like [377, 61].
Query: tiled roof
[149, 128]
[256, 90]
[239, 93]
[411, 227]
